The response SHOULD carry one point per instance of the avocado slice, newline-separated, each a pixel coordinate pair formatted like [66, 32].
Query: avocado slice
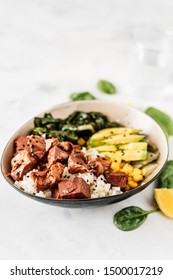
[150, 158]
[133, 146]
[106, 148]
[129, 146]
[107, 132]
[127, 155]
[117, 139]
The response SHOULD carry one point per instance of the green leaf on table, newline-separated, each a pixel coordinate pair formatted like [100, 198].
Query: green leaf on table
[165, 179]
[106, 87]
[81, 96]
[165, 121]
[131, 217]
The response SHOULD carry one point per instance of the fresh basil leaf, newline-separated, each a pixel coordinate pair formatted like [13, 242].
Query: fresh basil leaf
[165, 121]
[106, 87]
[165, 179]
[81, 96]
[131, 218]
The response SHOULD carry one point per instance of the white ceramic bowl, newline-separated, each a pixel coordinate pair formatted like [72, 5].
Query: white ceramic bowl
[115, 111]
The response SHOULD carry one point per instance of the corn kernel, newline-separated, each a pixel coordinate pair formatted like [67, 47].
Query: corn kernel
[127, 188]
[132, 184]
[137, 171]
[122, 164]
[115, 166]
[127, 168]
[130, 178]
[138, 178]
[81, 141]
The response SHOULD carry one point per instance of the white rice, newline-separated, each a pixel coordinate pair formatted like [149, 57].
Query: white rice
[92, 153]
[27, 185]
[99, 187]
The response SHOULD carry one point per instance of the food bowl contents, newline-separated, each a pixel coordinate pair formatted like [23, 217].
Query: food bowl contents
[50, 168]
[84, 156]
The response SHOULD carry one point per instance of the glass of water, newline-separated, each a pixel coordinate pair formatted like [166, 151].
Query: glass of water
[150, 63]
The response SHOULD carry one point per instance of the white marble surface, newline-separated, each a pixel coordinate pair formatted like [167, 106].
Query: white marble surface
[48, 49]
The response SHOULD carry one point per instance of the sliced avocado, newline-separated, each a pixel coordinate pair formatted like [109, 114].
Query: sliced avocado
[114, 156]
[106, 148]
[150, 158]
[133, 146]
[107, 132]
[133, 155]
[127, 155]
[122, 139]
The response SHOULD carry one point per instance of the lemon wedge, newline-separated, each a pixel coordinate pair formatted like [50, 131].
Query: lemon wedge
[164, 199]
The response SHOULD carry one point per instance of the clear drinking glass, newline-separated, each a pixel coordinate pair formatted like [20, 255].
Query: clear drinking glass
[150, 63]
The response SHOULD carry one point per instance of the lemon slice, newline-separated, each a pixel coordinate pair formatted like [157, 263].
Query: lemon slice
[164, 199]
